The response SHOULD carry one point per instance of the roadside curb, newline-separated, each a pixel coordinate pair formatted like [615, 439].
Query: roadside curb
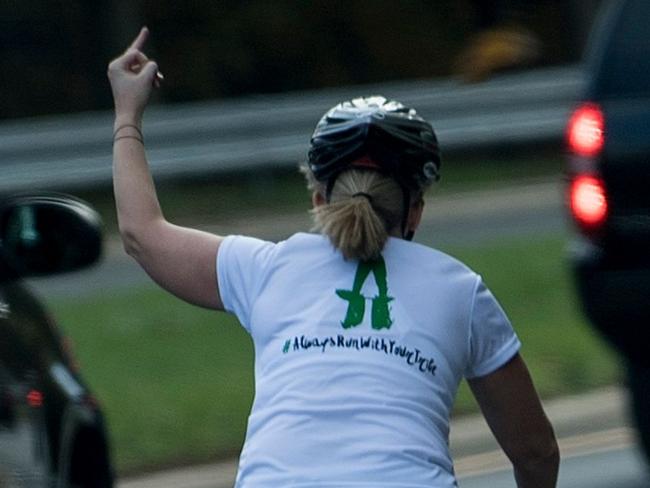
[571, 416]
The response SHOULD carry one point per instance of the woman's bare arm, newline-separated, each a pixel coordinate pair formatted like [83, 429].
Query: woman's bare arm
[515, 415]
[179, 259]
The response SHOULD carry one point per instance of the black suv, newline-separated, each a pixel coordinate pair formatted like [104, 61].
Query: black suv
[52, 432]
[608, 138]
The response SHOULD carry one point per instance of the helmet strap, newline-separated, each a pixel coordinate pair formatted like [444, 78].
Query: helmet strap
[406, 233]
[330, 186]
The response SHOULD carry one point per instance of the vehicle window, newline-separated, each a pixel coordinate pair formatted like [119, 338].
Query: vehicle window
[626, 65]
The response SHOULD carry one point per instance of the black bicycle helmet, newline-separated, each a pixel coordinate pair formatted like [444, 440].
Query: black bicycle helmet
[393, 136]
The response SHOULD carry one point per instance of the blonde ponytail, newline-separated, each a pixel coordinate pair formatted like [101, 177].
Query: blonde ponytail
[365, 208]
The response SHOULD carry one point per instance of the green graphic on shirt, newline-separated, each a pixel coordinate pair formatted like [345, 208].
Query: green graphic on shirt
[380, 316]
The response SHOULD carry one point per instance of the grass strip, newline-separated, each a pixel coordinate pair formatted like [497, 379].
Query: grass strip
[531, 280]
[265, 192]
[176, 381]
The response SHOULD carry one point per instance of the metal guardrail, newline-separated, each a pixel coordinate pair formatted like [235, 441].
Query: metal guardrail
[64, 152]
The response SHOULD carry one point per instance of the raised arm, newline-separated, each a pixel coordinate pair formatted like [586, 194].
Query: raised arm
[514, 413]
[179, 259]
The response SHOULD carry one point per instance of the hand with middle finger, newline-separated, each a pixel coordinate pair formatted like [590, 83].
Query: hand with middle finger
[133, 76]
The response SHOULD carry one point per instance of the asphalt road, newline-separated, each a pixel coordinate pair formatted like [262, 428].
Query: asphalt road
[468, 219]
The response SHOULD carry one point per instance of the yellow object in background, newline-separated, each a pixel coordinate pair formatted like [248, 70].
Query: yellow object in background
[497, 49]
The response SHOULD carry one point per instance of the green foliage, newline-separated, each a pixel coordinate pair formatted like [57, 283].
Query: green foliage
[54, 55]
[260, 46]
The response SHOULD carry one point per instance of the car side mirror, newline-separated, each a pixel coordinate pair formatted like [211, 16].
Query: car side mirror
[47, 234]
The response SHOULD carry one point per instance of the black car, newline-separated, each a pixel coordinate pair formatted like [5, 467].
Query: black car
[52, 432]
[608, 139]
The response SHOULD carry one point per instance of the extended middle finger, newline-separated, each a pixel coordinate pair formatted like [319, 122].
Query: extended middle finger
[139, 41]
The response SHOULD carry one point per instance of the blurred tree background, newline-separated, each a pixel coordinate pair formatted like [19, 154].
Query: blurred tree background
[53, 53]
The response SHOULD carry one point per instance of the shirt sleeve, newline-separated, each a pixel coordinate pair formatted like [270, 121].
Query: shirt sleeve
[492, 341]
[242, 264]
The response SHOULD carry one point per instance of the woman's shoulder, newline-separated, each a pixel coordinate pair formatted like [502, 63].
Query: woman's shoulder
[400, 250]
[424, 257]
[297, 240]
[305, 241]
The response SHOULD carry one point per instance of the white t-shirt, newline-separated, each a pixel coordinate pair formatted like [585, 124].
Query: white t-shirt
[356, 365]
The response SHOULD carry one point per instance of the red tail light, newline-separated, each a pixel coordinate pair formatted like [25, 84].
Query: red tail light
[588, 201]
[35, 398]
[586, 130]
